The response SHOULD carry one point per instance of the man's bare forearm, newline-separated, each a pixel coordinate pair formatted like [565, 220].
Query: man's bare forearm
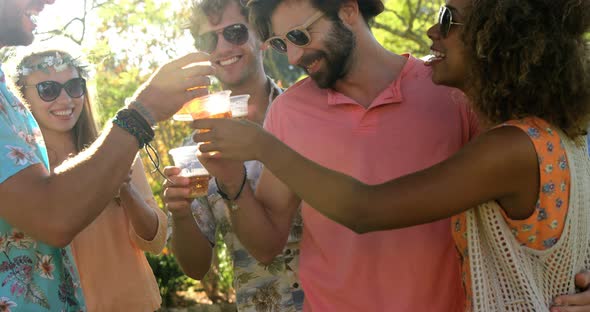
[74, 195]
[192, 250]
[256, 229]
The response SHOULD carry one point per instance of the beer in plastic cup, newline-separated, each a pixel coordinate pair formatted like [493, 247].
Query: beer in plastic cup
[186, 159]
[214, 105]
[239, 105]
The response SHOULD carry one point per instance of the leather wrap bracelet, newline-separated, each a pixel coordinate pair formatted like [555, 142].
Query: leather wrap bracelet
[133, 122]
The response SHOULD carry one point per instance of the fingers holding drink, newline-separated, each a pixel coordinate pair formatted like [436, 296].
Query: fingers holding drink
[176, 192]
[174, 84]
[231, 139]
[215, 105]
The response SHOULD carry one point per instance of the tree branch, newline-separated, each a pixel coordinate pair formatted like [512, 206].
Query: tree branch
[82, 20]
[408, 35]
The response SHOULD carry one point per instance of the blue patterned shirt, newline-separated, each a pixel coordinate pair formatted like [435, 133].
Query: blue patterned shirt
[33, 276]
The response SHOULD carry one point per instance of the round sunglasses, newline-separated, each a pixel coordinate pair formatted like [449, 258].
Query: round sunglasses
[50, 90]
[445, 20]
[236, 34]
[298, 36]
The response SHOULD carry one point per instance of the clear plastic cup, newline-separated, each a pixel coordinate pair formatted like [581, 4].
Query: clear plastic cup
[239, 105]
[186, 159]
[214, 105]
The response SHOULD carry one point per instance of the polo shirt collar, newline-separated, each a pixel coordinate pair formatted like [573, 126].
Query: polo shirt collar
[390, 95]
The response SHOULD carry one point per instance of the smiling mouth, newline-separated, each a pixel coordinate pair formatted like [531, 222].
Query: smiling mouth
[311, 68]
[229, 61]
[312, 65]
[63, 113]
[435, 56]
[438, 54]
[32, 14]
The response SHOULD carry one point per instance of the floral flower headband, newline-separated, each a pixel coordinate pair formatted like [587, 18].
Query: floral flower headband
[58, 61]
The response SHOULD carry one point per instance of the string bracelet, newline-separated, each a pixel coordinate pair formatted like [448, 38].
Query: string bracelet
[225, 196]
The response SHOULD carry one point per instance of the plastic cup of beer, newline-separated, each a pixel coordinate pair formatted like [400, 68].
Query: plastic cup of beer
[186, 159]
[239, 105]
[214, 105]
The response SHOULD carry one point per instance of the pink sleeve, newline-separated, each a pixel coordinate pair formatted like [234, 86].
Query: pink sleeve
[473, 120]
[470, 118]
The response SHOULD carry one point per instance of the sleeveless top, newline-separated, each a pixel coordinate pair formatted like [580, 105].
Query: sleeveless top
[521, 265]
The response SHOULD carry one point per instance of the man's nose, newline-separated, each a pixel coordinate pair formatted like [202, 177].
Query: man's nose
[294, 53]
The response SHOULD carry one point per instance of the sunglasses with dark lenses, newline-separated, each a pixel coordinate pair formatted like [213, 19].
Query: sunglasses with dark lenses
[298, 36]
[50, 90]
[236, 34]
[445, 21]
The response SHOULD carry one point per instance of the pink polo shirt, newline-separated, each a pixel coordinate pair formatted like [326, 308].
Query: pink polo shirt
[411, 125]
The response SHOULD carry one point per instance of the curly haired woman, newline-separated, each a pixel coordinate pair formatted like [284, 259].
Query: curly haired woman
[518, 192]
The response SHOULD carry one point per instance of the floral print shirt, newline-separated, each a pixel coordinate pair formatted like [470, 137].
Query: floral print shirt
[33, 276]
[543, 228]
[259, 287]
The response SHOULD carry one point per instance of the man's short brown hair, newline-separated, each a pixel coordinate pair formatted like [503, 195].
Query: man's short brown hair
[261, 11]
[211, 10]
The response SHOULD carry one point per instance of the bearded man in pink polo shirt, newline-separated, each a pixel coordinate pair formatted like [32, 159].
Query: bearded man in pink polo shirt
[368, 113]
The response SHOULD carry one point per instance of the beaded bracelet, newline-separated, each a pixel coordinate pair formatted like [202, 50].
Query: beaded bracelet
[143, 111]
[136, 119]
[132, 122]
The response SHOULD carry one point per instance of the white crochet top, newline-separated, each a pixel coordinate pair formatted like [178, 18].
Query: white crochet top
[509, 277]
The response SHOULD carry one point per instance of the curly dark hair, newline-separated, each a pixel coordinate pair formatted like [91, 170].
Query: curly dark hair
[261, 11]
[211, 10]
[530, 58]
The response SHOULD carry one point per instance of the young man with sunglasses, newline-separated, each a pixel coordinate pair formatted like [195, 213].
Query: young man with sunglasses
[372, 115]
[43, 211]
[220, 28]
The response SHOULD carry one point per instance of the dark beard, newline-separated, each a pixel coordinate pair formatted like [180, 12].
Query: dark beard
[340, 42]
[15, 37]
[11, 31]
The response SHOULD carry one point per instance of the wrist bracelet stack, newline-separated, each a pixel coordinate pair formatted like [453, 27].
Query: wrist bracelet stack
[130, 120]
[143, 111]
[133, 122]
[225, 196]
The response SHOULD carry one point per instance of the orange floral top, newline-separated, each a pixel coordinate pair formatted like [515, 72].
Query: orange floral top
[544, 227]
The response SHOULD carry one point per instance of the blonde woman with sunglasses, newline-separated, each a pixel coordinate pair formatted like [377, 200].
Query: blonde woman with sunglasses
[109, 253]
